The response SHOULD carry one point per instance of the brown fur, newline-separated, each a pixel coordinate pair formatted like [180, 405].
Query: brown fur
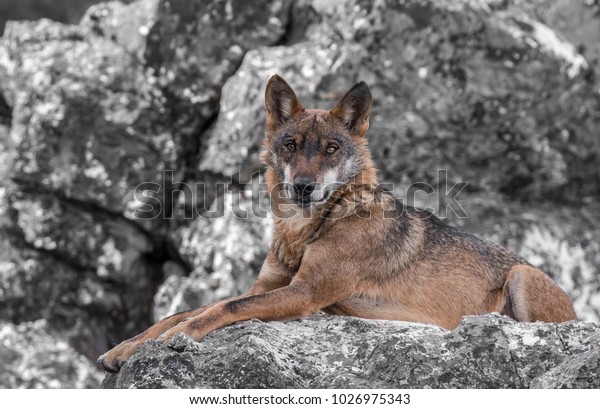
[357, 250]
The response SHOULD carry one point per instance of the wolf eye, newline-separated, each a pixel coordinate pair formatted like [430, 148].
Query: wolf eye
[291, 146]
[331, 149]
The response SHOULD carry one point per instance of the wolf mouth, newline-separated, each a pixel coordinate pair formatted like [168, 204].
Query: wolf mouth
[309, 200]
[305, 202]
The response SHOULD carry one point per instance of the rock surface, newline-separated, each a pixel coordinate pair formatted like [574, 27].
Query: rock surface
[342, 352]
[85, 132]
[32, 358]
[226, 252]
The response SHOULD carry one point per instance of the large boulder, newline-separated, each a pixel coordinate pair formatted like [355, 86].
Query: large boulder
[343, 352]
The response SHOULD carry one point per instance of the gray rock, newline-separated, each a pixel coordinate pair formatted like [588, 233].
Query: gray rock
[86, 309]
[344, 352]
[191, 47]
[577, 373]
[68, 12]
[30, 357]
[86, 118]
[576, 21]
[127, 25]
[226, 254]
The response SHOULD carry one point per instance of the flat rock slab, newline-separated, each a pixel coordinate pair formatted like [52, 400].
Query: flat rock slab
[324, 351]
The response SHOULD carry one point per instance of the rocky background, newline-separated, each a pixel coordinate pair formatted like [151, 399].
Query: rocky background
[503, 94]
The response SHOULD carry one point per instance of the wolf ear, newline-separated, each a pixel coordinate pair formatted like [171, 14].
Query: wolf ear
[354, 109]
[281, 102]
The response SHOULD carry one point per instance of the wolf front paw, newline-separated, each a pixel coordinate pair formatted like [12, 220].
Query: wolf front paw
[113, 360]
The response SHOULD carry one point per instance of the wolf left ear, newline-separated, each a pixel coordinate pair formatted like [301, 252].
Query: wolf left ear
[281, 102]
[354, 109]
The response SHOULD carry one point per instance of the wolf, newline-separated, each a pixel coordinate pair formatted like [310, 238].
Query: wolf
[344, 245]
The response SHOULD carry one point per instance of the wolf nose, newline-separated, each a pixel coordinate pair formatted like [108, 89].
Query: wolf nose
[304, 185]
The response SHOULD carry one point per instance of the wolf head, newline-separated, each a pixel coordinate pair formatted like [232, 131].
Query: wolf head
[310, 152]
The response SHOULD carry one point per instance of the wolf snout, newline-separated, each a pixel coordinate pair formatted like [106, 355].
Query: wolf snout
[304, 186]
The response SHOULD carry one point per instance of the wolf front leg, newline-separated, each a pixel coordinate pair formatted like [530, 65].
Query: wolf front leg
[272, 276]
[300, 299]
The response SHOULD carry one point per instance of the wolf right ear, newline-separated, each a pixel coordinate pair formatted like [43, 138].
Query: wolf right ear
[281, 102]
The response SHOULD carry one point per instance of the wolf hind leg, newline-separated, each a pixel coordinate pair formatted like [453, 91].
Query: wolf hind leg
[533, 296]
